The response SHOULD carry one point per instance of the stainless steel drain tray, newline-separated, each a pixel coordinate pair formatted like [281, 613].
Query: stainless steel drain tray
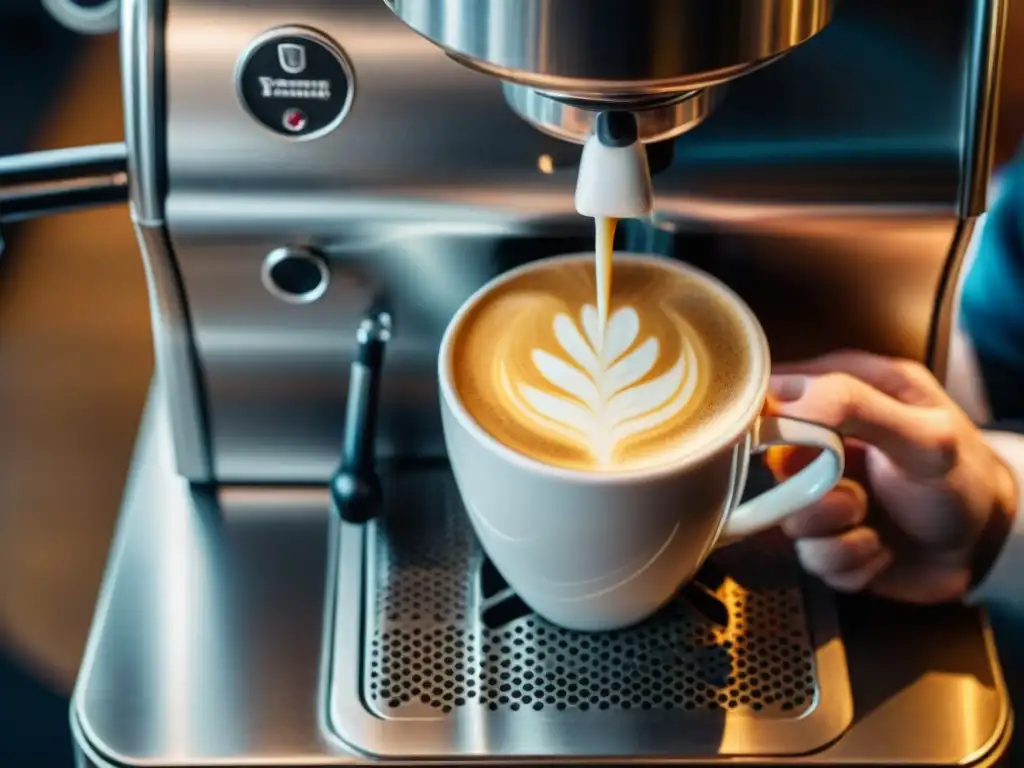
[434, 657]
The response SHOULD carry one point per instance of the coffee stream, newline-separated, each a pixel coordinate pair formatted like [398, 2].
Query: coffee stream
[604, 248]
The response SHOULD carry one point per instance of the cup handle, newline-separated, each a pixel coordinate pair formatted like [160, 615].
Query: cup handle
[805, 487]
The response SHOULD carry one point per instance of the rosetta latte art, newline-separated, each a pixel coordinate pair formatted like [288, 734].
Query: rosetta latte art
[596, 401]
[533, 370]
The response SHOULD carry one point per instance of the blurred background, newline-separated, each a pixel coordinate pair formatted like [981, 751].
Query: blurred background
[75, 363]
[75, 360]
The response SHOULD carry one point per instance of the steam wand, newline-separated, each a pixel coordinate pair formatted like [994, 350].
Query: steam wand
[56, 181]
[355, 487]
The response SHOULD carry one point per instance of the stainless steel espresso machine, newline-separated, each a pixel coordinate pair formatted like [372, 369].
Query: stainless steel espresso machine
[317, 185]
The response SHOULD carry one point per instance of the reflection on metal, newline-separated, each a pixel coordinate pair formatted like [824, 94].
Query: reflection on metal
[984, 73]
[661, 120]
[610, 50]
[175, 353]
[86, 18]
[217, 650]
[142, 70]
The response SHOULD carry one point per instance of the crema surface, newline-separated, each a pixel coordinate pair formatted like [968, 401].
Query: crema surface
[532, 369]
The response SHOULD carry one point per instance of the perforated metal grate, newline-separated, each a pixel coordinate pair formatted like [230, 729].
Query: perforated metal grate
[430, 650]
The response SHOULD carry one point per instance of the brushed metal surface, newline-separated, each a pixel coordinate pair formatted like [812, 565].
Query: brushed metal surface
[175, 353]
[142, 66]
[828, 185]
[210, 639]
[572, 122]
[984, 74]
[608, 48]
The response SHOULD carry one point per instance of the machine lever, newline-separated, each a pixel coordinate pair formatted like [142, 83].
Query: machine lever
[355, 487]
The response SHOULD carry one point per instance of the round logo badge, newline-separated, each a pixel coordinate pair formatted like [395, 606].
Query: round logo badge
[296, 82]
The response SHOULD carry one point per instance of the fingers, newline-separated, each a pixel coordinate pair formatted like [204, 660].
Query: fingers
[858, 578]
[833, 544]
[920, 441]
[842, 509]
[847, 563]
[904, 380]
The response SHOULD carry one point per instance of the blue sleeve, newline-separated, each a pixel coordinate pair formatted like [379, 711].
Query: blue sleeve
[992, 301]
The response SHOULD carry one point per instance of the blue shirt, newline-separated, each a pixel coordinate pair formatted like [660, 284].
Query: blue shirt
[992, 315]
[992, 301]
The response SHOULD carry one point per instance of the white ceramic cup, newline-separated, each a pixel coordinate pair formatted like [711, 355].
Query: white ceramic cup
[599, 551]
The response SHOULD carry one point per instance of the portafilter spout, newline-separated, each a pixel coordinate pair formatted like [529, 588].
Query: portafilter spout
[614, 178]
[649, 57]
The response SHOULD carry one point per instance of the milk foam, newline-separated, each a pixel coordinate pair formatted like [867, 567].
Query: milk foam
[531, 369]
[599, 402]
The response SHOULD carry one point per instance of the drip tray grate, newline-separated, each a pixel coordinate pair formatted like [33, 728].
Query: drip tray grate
[445, 641]
[427, 655]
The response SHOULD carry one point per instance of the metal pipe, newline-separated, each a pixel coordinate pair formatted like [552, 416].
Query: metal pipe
[44, 183]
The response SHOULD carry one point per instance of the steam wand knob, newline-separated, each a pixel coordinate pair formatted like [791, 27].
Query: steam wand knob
[355, 487]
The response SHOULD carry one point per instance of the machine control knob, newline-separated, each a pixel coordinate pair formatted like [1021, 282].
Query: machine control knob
[296, 275]
[296, 82]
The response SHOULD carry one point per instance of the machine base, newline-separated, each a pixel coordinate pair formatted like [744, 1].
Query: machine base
[212, 644]
[435, 656]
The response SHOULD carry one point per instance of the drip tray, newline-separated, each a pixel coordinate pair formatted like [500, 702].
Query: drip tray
[434, 656]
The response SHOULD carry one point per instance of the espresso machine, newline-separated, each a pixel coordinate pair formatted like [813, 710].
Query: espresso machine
[317, 185]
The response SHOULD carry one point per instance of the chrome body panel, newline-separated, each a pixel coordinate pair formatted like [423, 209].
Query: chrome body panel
[812, 175]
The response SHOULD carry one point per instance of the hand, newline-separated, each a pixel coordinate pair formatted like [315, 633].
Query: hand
[921, 483]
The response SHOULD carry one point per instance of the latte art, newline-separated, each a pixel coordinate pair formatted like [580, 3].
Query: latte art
[603, 398]
[531, 367]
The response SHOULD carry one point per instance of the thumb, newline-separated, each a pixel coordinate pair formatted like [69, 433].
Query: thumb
[915, 438]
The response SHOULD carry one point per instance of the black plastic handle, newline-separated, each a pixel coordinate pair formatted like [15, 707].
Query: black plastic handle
[355, 487]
